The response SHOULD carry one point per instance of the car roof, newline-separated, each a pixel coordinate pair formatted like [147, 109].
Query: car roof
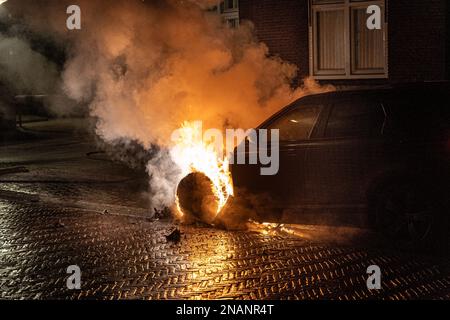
[397, 89]
[394, 88]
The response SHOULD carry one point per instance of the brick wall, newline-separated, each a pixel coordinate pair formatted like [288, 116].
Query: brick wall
[283, 26]
[418, 40]
[447, 36]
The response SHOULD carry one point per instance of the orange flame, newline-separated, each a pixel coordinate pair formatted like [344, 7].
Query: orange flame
[193, 154]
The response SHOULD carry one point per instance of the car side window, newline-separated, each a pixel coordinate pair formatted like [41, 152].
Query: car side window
[355, 118]
[297, 124]
[417, 114]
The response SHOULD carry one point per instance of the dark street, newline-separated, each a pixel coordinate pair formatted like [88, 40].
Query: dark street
[219, 150]
[73, 207]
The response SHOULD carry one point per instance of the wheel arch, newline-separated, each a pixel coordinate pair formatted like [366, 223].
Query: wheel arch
[394, 176]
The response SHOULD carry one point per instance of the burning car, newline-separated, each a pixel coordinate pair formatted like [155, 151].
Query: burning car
[375, 158]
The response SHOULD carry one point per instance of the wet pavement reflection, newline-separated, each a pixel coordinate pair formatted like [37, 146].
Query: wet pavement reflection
[69, 209]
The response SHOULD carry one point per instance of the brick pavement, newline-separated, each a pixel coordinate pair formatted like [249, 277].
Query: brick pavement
[129, 258]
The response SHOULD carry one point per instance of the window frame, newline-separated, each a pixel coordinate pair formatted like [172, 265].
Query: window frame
[228, 14]
[349, 44]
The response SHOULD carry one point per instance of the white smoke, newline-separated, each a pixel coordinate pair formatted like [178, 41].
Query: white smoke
[25, 70]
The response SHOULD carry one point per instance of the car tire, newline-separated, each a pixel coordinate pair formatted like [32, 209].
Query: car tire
[407, 213]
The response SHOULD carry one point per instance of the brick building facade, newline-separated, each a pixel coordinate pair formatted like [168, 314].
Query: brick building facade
[413, 45]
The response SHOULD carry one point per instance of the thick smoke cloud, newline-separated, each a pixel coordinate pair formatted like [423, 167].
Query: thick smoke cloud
[25, 70]
[145, 67]
[27, 62]
[154, 66]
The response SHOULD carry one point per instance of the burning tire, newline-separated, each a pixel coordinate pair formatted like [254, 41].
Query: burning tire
[196, 198]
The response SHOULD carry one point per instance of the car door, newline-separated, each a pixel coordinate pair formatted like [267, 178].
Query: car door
[338, 165]
[295, 128]
[295, 125]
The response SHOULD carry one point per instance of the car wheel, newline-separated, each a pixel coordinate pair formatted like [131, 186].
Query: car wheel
[405, 213]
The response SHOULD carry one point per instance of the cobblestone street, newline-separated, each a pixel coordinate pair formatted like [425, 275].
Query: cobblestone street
[69, 209]
[123, 258]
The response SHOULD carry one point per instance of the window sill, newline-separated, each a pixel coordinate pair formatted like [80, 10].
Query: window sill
[351, 77]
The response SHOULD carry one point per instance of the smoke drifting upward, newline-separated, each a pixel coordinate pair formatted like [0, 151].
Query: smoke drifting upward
[145, 67]
[31, 60]
[154, 66]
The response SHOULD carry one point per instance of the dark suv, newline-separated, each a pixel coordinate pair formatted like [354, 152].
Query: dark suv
[376, 158]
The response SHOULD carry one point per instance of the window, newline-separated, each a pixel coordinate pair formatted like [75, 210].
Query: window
[229, 10]
[355, 118]
[341, 45]
[297, 124]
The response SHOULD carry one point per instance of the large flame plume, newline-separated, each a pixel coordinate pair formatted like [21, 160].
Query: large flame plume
[193, 154]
